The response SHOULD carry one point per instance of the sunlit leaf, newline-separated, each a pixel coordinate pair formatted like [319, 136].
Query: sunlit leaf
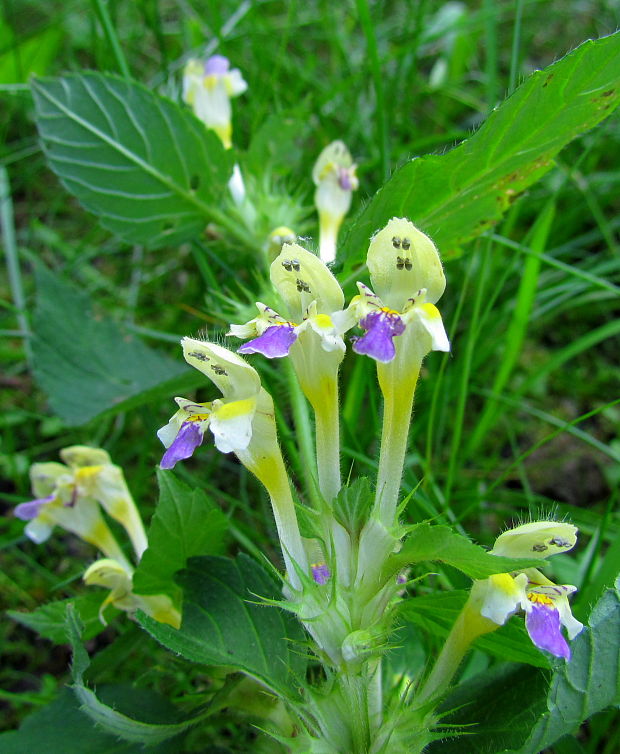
[456, 196]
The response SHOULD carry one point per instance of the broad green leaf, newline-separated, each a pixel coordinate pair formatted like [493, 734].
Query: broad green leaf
[49, 620]
[146, 166]
[88, 365]
[442, 545]
[495, 711]
[185, 524]
[523, 710]
[62, 728]
[456, 196]
[154, 730]
[436, 613]
[225, 624]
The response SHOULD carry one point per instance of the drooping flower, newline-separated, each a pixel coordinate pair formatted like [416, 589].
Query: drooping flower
[406, 273]
[230, 418]
[208, 88]
[242, 421]
[70, 496]
[116, 577]
[544, 603]
[335, 180]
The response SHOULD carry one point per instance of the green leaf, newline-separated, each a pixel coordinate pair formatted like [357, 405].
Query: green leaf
[441, 544]
[89, 365]
[224, 624]
[436, 613]
[497, 709]
[353, 505]
[185, 524]
[456, 196]
[520, 710]
[158, 728]
[49, 620]
[147, 167]
[62, 728]
[590, 682]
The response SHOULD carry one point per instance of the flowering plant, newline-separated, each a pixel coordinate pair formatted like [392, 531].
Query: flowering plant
[363, 613]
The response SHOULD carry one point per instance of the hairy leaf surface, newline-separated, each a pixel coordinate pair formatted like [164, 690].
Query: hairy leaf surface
[225, 624]
[441, 544]
[456, 196]
[185, 524]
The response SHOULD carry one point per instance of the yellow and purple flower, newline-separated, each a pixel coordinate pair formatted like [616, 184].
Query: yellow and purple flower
[230, 419]
[314, 301]
[406, 273]
[208, 88]
[72, 494]
[335, 180]
[544, 603]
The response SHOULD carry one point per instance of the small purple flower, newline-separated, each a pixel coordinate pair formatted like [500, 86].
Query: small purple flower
[344, 180]
[185, 443]
[28, 511]
[377, 343]
[216, 65]
[543, 626]
[320, 573]
[274, 343]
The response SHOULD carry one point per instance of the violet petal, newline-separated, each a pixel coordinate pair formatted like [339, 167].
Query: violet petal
[28, 511]
[543, 626]
[274, 343]
[320, 573]
[344, 180]
[377, 342]
[185, 443]
[216, 65]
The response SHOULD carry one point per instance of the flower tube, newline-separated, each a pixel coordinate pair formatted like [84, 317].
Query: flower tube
[311, 334]
[242, 422]
[335, 180]
[402, 325]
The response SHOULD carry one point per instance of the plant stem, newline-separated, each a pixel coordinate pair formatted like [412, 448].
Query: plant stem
[269, 470]
[101, 10]
[12, 260]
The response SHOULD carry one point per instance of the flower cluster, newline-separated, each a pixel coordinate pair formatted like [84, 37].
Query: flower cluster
[75, 495]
